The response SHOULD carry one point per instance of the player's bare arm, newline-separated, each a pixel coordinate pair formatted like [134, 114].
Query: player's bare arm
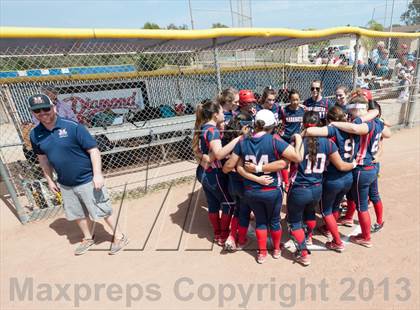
[274, 166]
[315, 132]
[341, 165]
[386, 132]
[370, 115]
[356, 129]
[263, 179]
[221, 152]
[231, 163]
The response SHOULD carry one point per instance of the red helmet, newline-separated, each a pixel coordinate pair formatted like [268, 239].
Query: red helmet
[246, 97]
[368, 94]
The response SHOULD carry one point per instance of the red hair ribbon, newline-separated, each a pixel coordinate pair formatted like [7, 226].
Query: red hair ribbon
[309, 125]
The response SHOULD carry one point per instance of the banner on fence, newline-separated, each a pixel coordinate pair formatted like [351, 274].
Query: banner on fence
[98, 103]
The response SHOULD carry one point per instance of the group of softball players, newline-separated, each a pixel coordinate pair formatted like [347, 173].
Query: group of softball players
[320, 152]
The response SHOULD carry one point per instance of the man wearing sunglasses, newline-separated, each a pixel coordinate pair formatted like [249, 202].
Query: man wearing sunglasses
[316, 102]
[63, 108]
[66, 147]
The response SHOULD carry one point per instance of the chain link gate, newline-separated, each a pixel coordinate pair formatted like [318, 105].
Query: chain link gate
[136, 92]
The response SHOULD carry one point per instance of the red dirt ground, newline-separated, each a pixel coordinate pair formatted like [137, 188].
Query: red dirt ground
[165, 248]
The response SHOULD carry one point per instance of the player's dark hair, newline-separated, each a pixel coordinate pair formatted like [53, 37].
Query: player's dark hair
[293, 92]
[375, 105]
[204, 113]
[260, 126]
[317, 81]
[311, 119]
[234, 126]
[266, 92]
[226, 96]
[336, 114]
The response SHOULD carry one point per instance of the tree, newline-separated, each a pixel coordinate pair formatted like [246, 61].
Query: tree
[149, 25]
[412, 15]
[219, 25]
[374, 25]
[175, 27]
[369, 43]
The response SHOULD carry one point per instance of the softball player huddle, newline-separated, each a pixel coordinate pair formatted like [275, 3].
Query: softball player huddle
[250, 152]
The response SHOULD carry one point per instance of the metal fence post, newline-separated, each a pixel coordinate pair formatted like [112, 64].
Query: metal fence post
[414, 94]
[356, 57]
[10, 188]
[217, 66]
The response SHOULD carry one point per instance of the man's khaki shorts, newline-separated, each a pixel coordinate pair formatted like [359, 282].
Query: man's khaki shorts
[83, 201]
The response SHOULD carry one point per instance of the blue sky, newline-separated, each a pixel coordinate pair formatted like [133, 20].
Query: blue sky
[297, 14]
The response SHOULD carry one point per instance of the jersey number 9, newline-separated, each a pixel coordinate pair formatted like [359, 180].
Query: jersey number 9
[348, 148]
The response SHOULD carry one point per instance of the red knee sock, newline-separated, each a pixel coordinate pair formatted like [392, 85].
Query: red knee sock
[234, 226]
[299, 235]
[215, 222]
[364, 221]
[311, 226]
[351, 208]
[224, 225]
[379, 209]
[242, 231]
[336, 215]
[262, 240]
[285, 176]
[332, 227]
[276, 238]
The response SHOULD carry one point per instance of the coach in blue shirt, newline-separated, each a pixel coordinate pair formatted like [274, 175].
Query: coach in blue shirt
[68, 148]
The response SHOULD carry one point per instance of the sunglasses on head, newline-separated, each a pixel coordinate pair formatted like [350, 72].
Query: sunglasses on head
[316, 88]
[36, 111]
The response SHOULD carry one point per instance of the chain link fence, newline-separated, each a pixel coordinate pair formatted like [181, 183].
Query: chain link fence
[137, 96]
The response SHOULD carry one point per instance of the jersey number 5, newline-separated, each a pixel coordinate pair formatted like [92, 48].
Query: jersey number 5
[319, 166]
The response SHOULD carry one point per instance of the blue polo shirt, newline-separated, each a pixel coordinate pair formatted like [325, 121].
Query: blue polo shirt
[66, 147]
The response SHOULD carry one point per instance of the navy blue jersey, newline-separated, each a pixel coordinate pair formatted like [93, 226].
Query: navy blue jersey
[309, 173]
[228, 116]
[345, 144]
[275, 109]
[208, 134]
[292, 120]
[261, 150]
[367, 146]
[66, 147]
[322, 106]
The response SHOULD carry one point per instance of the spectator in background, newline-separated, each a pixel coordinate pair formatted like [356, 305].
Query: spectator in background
[382, 68]
[64, 109]
[402, 54]
[375, 57]
[361, 66]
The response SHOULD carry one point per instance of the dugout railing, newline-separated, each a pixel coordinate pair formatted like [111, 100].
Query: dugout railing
[136, 91]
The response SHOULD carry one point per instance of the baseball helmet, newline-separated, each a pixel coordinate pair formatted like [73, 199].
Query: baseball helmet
[246, 97]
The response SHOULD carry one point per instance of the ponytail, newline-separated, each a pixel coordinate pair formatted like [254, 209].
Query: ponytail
[204, 113]
[311, 119]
